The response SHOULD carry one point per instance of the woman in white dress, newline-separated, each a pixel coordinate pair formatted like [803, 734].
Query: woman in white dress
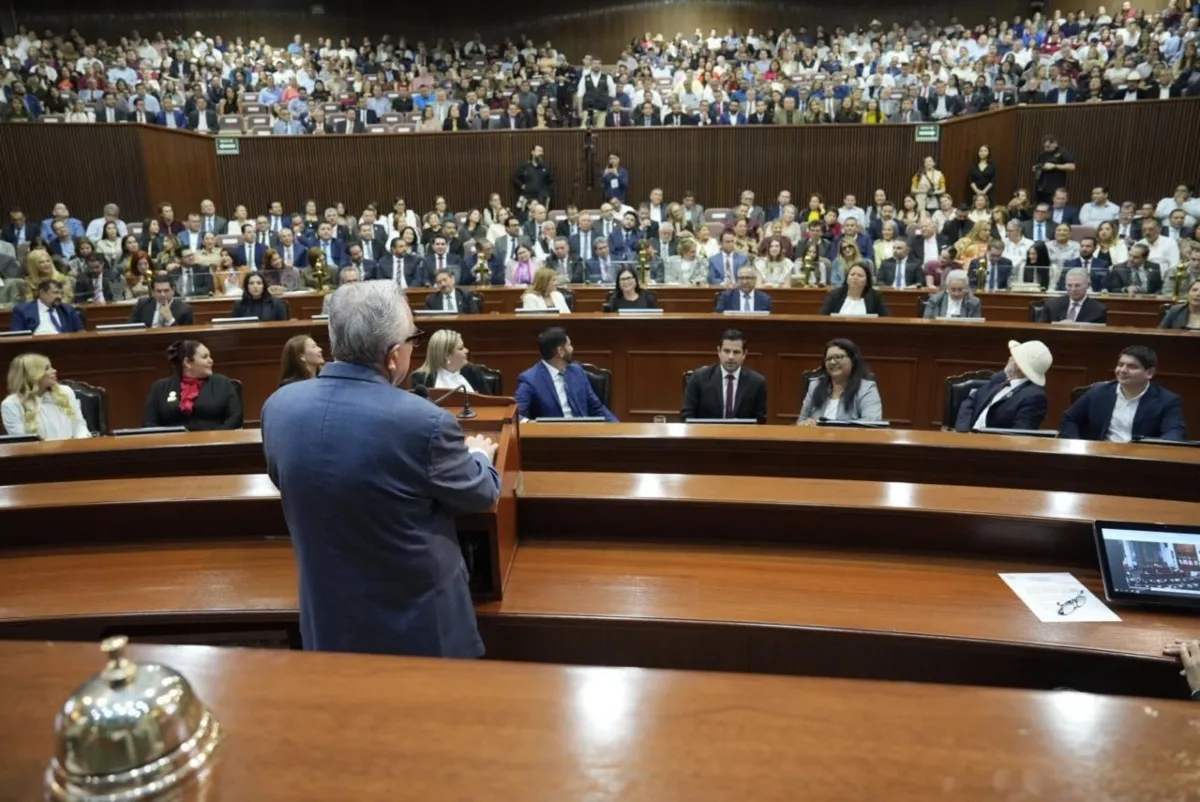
[542, 294]
[38, 404]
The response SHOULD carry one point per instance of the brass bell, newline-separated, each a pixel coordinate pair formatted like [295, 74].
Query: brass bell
[131, 732]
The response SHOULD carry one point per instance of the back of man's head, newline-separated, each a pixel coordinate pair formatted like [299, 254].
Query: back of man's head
[366, 320]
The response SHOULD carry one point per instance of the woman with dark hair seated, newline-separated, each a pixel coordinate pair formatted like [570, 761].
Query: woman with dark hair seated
[629, 293]
[446, 365]
[257, 302]
[855, 296]
[843, 389]
[194, 396]
[1037, 265]
[302, 360]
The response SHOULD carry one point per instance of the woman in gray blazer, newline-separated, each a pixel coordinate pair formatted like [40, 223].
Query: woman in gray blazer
[844, 389]
[1187, 314]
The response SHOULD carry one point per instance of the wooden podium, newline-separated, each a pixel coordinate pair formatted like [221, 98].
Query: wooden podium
[489, 538]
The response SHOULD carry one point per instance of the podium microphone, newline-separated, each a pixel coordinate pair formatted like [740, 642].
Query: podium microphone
[467, 413]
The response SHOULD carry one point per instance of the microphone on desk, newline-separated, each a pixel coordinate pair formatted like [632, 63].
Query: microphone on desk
[467, 413]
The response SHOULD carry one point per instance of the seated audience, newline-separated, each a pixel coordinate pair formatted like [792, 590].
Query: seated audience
[161, 308]
[1131, 407]
[726, 389]
[47, 314]
[347, 275]
[543, 293]
[37, 404]
[98, 284]
[999, 269]
[774, 268]
[317, 262]
[446, 365]
[302, 360]
[744, 298]
[842, 389]
[557, 387]
[1096, 264]
[685, 268]
[1014, 398]
[1038, 269]
[1138, 275]
[902, 269]
[519, 272]
[1075, 306]
[629, 294]
[39, 266]
[954, 299]
[257, 302]
[727, 263]
[448, 298]
[1187, 314]
[193, 396]
[855, 296]
[191, 280]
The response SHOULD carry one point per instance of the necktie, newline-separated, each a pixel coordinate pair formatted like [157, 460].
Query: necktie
[728, 268]
[899, 276]
[745, 304]
[991, 276]
[328, 248]
[617, 120]
[208, 224]
[585, 245]
[187, 282]
[1038, 234]
[728, 395]
[1073, 312]
[368, 253]
[98, 291]
[399, 268]
[287, 256]
[449, 306]
[250, 256]
[441, 262]
[54, 319]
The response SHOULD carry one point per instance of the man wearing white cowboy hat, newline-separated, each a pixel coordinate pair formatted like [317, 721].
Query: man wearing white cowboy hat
[1014, 398]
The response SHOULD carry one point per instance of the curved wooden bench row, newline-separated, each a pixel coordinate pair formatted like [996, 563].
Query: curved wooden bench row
[540, 733]
[1143, 471]
[827, 612]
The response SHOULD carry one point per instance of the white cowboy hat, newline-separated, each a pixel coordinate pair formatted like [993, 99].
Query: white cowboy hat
[1033, 358]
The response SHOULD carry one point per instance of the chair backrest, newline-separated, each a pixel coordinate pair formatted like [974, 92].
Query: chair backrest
[601, 381]
[493, 380]
[1079, 232]
[237, 385]
[254, 108]
[922, 302]
[569, 297]
[958, 389]
[93, 403]
[687, 377]
[715, 229]
[134, 228]
[716, 215]
[476, 299]
[1162, 311]
[231, 122]
[1077, 392]
[1035, 311]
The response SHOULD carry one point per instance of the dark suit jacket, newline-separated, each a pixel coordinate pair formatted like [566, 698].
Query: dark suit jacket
[572, 267]
[299, 254]
[731, 300]
[217, 407]
[1051, 97]
[1159, 414]
[470, 372]
[537, 398]
[25, 317]
[1070, 216]
[268, 309]
[609, 120]
[85, 286]
[143, 312]
[9, 233]
[704, 396]
[914, 272]
[640, 120]
[954, 105]
[462, 301]
[1099, 272]
[339, 127]
[453, 263]
[214, 124]
[520, 121]
[1022, 408]
[682, 118]
[202, 281]
[1055, 309]
[1121, 276]
[874, 302]
[1004, 268]
[336, 246]
[414, 272]
[1176, 317]
[239, 255]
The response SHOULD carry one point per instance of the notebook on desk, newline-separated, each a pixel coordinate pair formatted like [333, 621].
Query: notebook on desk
[120, 326]
[148, 430]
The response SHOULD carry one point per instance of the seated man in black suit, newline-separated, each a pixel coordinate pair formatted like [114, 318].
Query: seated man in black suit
[440, 258]
[568, 266]
[399, 263]
[163, 308]
[1075, 306]
[999, 270]
[1013, 398]
[192, 280]
[485, 256]
[726, 390]
[98, 284]
[902, 270]
[449, 298]
[1137, 276]
[617, 117]
[1129, 408]
[647, 117]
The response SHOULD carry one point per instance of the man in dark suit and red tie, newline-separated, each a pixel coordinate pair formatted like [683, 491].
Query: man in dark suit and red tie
[557, 387]
[728, 389]
[1014, 398]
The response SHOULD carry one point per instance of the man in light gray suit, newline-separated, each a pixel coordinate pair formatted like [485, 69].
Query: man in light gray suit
[692, 210]
[954, 300]
[908, 113]
[483, 120]
[506, 246]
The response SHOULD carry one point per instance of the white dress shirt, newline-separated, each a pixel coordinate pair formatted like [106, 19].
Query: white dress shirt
[1164, 251]
[45, 322]
[853, 307]
[531, 301]
[953, 307]
[52, 422]
[449, 302]
[1013, 384]
[746, 301]
[560, 388]
[930, 252]
[1120, 426]
[158, 321]
[448, 380]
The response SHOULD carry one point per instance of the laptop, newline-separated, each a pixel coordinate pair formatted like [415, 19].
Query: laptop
[1150, 564]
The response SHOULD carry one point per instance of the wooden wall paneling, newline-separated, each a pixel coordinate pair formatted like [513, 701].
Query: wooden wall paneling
[181, 168]
[84, 166]
[958, 150]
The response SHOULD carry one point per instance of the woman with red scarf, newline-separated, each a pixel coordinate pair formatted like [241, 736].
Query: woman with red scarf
[194, 397]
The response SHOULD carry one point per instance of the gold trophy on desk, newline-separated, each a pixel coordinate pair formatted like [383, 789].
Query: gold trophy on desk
[316, 258]
[644, 262]
[805, 279]
[981, 277]
[483, 274]
[1180, 274]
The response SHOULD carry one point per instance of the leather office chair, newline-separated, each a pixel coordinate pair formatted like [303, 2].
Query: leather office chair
[493, 381]
[1077, 392]
[687, 377]
[569, 297]
[1162, 311]
[476, 299]
[601, 381]
[922, 302]
[958, 390]
[1035, 311]
[93, 403]
[237, 385]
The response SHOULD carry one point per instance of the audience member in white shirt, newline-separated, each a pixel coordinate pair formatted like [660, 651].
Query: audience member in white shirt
[542, 294]
[38, 404]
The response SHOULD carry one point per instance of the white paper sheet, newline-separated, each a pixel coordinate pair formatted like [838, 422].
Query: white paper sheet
[1055, 598]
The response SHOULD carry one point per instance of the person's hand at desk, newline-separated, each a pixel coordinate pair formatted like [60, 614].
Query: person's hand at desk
[1189, 656]
[483, 444]
[164, 313]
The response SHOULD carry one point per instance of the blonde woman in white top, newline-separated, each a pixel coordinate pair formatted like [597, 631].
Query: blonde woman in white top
[542, 294]
[446, 364]
[38, 404]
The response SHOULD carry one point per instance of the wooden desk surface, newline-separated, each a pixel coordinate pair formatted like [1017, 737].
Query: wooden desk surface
[453, 730]
[1145, 471]
[648, 356]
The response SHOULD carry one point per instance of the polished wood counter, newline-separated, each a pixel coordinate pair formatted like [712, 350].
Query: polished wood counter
[898, 455]
[447, 730]
[648, 356]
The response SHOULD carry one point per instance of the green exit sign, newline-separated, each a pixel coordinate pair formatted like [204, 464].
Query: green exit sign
[228, 146]
[925, 133]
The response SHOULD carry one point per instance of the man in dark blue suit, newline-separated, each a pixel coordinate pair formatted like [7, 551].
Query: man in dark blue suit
[556, 387]
[249, 253]
[623, 242]
[1097, 265]
[1060, 212]
[1130, 408]
[1014, 398]
[47, 314]
[172, 117]
[334, 248]
[440, 258]
[381, 569]
[744, 298]
[485, 253]
[776, 211]
[294, 254]
[19, 230]
[400, 261]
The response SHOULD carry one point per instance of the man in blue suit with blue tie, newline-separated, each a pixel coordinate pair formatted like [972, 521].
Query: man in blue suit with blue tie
[335, 251]
[172, 117]
[251, 252]
[1129, 408]
[623, 243]
[1097, 265]
[724, 265]
[47, 314]
[371, 490]
[744, 298]
[556, 387]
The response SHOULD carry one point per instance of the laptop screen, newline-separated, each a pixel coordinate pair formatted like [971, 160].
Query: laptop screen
[1150, 563]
